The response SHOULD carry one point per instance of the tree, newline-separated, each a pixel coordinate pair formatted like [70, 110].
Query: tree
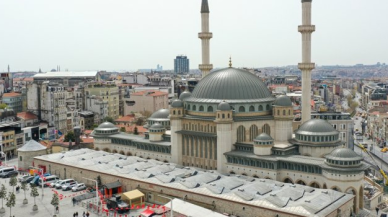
[55, 201]
[10, 201]
[94, 126]
[109, 119]
[135, 131]
[13, 182]
[122, 129]
[69, 136]
[3, 106]
[140, 122]
[146, 114]
[25, 188]
[34, 193]
[3, 195]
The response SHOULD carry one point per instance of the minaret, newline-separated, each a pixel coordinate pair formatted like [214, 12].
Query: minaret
[205, 36]
[306, 66]
[9, 69]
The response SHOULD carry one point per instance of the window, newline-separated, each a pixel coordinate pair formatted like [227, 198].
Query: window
[251, 108]
[241, 109]
[210, 109]
[20, 158]
[201, 108]
[260, 108]
[194, 107]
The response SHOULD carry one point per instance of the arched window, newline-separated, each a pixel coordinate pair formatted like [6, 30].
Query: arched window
[201, 108]
[260, 108]
[251, 108]
[267, 107]
[179, 112]
[188, 107]
[241, 109]
[284, 112]
[266, 129]
[241, 134]
[210, 109]
[223, 115]
[289, 111]
[278, 112]
[194, 107]
[173, 112]
[253, 132]
[218, 115]
[228, 115]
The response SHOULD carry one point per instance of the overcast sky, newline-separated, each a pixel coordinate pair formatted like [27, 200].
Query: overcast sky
[138, 34]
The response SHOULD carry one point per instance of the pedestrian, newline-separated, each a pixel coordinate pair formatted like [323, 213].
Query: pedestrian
[377, 211]
[76, 214]
[57, 209]
[87, 214]
[73, 201]
[83, 214]
[73, 214]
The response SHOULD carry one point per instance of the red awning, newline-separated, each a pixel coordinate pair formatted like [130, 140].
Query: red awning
[147, 212]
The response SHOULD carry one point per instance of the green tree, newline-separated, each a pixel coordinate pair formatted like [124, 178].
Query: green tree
[25, 188]
[94, 126]
[69, 136]
[3, 195]
[34, 193]
[140, 122]
[122, 129]
[10, 202]
[13, 182]
[3, 106]
[109, 119]
[55, 201]
[135, 131]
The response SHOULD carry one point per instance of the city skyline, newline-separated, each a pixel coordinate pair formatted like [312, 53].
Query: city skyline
[119, 36]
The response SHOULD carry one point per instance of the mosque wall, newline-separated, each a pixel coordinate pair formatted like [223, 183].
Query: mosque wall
[318, 151]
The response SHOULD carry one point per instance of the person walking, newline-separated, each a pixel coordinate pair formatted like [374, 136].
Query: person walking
[87, 214]
[57, 209]
[73, 201]
[83, 214]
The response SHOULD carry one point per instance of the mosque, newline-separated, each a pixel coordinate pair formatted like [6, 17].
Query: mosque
[232, 123]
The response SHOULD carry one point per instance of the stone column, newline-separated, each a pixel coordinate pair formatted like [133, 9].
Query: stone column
[306, 29]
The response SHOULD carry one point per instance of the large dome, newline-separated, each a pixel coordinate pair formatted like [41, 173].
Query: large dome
[107, 125]
[233, 85]
[317, 127]
[160, 114]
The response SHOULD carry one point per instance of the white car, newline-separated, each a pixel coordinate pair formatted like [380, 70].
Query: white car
[79, 187]
[69, 186]
[21, 178]
[52, 185]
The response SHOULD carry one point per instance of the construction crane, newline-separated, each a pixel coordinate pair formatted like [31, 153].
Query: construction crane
[375, 163]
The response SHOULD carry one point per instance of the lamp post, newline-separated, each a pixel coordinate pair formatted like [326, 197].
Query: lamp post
[98, 205]
[170, 198]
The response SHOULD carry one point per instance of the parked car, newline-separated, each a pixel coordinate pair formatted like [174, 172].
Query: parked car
[52, 185]
[48, 180]
[79, 187]
[59, 185]
[69, 185]
[8, 172]
[21, 178]
[27, 179]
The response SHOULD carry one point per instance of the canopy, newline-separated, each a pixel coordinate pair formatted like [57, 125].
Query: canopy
[133, 194]
[133, 197]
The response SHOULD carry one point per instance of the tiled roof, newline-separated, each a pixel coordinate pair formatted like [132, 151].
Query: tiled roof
[149, 93]
[13, 94]
[27, 115]
[127, 118]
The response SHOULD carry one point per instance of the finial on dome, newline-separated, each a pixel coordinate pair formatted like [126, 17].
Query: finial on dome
[230, 62]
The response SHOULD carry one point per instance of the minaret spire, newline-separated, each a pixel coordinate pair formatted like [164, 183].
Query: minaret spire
[9, 69]
[306, 29]
[205, 36]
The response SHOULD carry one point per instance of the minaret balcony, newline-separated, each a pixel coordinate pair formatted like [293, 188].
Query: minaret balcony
[205, 67]
[205, 35]
[306, 66]
[306, 28]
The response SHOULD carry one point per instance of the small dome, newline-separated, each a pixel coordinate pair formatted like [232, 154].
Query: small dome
[264, 137]
[157, 126]
[317, 127]
[283, 101]
[224, 106]
[343, 154]
[107, 125]
[177, 103]
[160, 114]
[184, 95]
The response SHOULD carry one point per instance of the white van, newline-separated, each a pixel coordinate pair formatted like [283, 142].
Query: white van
[7, 171]
[66, 181]
[49, 180]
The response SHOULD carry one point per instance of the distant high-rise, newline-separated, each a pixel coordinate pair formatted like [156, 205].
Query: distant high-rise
[181, 65]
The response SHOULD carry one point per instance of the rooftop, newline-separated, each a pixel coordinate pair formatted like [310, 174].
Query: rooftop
[268, 194]
[149, 93]
[27, 115]
[12, 94]
[66, 74]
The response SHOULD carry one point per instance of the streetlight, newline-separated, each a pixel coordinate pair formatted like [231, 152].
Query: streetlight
[96, 192]
[170, 198]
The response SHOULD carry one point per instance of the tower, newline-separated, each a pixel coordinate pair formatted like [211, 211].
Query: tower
[205, 36]
[306, 66]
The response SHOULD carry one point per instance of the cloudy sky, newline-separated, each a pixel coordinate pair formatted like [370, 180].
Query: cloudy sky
[138, 34]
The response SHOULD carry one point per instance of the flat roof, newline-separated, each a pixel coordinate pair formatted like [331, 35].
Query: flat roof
[264, 193]
[65, 74]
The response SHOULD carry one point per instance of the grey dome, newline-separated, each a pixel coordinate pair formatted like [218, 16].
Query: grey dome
[156, 126]
[177, 103]
[317, 127]
[343, 154]
[32, 145]
[234, 85]
[283, 101]
[186, 94]
[264, 137]
[107, 125]
[224, 106]
[160, 114]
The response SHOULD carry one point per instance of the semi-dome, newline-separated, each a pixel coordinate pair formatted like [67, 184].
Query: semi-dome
[157, 126]
[177, 103]
[107, 125]
[317, 127]
[224, 106]
[234, 85]
[283, 101]
[160, 114]
[343, 154]
[184, 95]
[264, 137]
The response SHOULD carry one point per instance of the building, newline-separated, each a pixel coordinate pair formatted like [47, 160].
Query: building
[27, 153]
[181, 65]
[233, 194]
[148, 100]
[67, 79]
[86, 120]
[98, 106]
[14, 101]
[28, 119]
[109, 93]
